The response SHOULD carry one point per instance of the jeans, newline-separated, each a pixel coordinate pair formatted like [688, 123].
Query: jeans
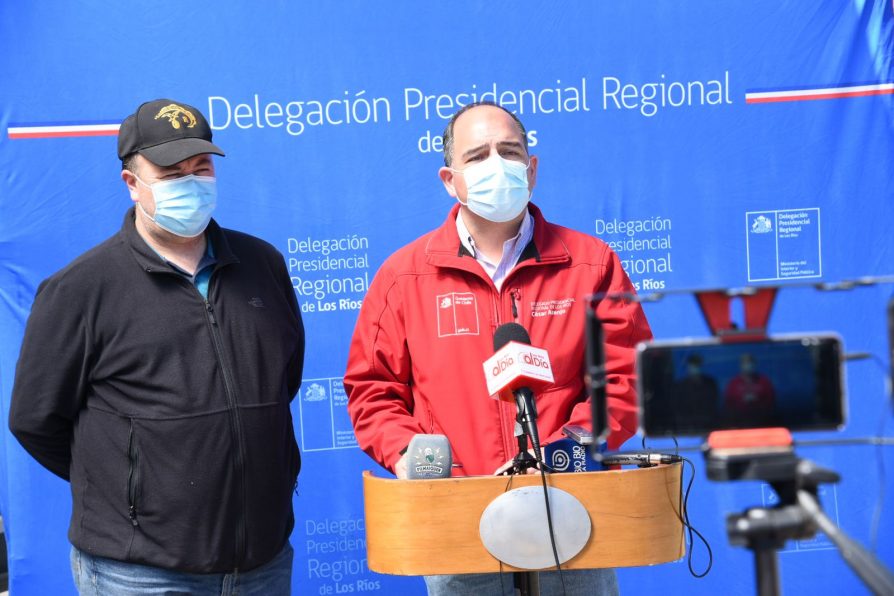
[98, 576]
[578, 582]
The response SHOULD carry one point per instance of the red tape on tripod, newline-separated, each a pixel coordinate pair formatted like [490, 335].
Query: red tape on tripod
[749, 438]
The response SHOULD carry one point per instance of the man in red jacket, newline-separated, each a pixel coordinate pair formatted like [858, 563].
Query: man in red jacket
[428, 321]
[750, 394]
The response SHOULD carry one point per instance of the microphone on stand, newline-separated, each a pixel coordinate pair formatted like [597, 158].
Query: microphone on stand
[515, 371]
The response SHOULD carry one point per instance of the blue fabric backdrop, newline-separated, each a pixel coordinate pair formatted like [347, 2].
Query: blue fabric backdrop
[715, 144]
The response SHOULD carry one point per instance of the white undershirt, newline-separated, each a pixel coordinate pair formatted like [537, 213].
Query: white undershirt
[512, 248]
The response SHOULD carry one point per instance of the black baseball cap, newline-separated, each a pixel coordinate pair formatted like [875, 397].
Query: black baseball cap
[165, 132]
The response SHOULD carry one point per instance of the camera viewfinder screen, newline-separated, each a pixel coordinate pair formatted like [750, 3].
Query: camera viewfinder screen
[694, 388]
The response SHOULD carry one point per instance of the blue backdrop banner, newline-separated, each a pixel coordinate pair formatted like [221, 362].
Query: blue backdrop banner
[711, 144]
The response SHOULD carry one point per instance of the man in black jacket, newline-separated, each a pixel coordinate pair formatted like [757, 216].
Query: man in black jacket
[156, 375]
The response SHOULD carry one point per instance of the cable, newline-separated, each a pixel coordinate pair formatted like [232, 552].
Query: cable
[691, 529]
[676, 445]
[684, 519]
[880, 460]
[882, 476]
[538, 456]
[650, 458]
[549, 521]
[876, 440]
[744, 291]
[502, 587]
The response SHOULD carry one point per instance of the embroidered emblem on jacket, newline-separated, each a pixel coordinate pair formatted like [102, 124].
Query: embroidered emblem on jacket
[457, 314]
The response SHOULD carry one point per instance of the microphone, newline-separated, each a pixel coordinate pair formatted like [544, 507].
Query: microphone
[429, 456]
[643, 460]
[595, 377]
[516, 364]
[514, 371]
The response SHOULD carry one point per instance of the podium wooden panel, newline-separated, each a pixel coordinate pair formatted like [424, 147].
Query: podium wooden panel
[430, 527]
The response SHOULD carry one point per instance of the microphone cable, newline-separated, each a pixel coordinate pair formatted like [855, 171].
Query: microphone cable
[541, 465]
[683, 515]
[880, 432]
[538, 455]
[689, 527]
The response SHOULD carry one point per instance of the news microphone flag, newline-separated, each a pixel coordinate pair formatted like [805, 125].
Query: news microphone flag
[429, 456]
[567, 455]
[517, 365]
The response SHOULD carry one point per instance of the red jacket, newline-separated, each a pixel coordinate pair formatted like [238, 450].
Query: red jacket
[427, 325]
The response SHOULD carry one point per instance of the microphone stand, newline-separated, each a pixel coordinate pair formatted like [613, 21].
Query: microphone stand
[525, 426]
[523, 461]
[527, 583]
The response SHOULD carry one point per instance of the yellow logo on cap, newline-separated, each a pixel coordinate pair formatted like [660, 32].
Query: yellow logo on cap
[177, 116]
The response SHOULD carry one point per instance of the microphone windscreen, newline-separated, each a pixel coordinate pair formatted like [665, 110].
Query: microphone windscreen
[428, 456]
[508, 332]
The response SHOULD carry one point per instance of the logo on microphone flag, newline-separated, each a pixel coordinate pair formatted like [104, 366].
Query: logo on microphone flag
[516, 362]
[429, 461]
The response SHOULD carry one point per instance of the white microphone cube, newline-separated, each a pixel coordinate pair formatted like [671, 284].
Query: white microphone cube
[516, 365]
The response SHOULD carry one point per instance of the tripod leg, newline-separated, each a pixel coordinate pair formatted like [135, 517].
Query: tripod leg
[767, 568]
[867, 566]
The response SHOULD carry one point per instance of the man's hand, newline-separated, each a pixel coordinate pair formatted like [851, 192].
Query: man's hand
[400, 468]
[505, 467]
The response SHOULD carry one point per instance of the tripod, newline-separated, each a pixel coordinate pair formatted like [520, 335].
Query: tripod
[764, 530]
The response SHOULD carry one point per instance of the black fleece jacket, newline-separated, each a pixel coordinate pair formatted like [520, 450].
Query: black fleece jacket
[168, 413]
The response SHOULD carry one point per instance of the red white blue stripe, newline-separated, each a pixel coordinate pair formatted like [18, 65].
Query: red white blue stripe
[47, 130]
[107, 128]
[819, 93]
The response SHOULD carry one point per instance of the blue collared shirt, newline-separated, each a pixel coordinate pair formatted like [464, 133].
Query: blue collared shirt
[203, 271]
[512, 248]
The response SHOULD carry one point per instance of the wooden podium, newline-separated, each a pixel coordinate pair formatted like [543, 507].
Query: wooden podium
[430, 527]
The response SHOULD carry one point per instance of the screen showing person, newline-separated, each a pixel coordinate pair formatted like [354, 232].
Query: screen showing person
[696, 393]
[750, 393]
[693, 387]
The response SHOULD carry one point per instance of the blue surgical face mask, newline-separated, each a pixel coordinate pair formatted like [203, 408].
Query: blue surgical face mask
[183, 206]
[497, 188]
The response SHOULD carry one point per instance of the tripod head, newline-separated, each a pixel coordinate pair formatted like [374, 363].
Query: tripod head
[767, 455]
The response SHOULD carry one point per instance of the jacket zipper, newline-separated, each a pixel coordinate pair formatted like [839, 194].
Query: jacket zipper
[236, 428]
[236, 422]
[509, 441]
[133, 477]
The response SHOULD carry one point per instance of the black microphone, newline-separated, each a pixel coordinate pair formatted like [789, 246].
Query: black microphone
[643, 460]
[524, 396]
[595, 375]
